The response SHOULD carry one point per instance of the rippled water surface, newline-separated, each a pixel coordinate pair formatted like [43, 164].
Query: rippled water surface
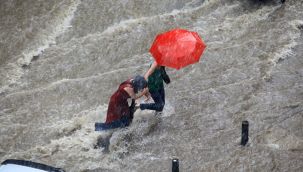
[61, 60]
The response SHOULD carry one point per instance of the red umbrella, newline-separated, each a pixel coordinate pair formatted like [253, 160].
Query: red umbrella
[177, 48]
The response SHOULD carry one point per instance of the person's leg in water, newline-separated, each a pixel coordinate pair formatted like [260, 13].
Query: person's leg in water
[159, 101]
[162, 93]
[132, 110]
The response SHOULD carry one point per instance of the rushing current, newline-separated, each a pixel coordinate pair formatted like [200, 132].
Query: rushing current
[61, 60]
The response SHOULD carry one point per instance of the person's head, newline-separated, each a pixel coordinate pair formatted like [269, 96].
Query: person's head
[139, 83]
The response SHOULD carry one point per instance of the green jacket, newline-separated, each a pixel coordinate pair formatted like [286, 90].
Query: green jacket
[155, 80]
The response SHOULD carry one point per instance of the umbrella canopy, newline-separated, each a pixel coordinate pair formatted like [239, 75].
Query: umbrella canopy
[177, 48]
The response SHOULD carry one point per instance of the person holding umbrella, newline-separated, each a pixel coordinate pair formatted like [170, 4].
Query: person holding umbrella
[176, 48]
[155, 76]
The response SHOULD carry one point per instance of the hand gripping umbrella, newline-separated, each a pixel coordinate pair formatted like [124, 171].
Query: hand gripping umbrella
[177, 48]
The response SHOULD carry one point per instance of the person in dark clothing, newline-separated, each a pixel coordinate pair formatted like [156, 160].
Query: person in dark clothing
[155, 77]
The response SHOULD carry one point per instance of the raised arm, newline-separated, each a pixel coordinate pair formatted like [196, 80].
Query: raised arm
[151, 70]
[132, 94]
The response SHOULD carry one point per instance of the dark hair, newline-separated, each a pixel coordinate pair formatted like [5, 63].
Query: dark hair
[139, 83]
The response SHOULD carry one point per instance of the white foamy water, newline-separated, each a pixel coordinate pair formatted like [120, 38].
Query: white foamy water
[60, 61]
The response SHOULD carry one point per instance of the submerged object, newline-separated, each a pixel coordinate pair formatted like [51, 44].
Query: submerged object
[175, 165]
[123, 122]
[13, 165]
[244, 136]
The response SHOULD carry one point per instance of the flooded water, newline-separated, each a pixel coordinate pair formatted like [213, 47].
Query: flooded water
[60, 61]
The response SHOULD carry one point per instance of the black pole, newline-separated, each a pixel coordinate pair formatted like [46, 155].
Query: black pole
[175, 165]
[244, 138]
